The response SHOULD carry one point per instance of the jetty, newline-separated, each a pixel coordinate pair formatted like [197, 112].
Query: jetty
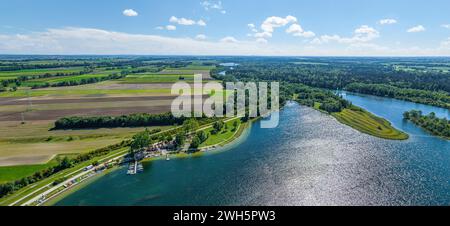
[135, 167]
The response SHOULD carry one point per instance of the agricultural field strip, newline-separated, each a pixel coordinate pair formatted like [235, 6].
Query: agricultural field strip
[67, 92]
[34, 199]
[34, 153]
[65, 174]
[84, 105]
[31, 72]
[26, 101]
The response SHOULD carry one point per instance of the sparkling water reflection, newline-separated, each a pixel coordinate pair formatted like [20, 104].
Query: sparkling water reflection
[310, 159]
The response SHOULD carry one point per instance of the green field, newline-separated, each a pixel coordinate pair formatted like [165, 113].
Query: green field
[156, 78]
[368, 123]
[30, 72]
[63, 174]
[12, 173]
[223, 136]
[53, 80]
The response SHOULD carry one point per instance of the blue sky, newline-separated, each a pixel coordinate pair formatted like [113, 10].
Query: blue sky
[227, 27]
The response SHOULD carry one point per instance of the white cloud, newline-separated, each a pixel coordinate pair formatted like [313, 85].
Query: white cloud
[306, 34]
[97, 41]
[418, 28]
[200, 37]
[271, 23]
[159, 28]
[294, 28]
[181, 21]
[229, 39]
[263, 35]
[261, 40]
[213, 5]
[201, 23]
[129, 12]
[387, 21]
[297, 30]
[252, 27]
[446, 26]
[361, 34]
[171, 27]
[365, 34]
[186, 22]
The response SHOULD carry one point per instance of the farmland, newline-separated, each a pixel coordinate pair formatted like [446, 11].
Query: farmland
[32, 72]
[28, 111]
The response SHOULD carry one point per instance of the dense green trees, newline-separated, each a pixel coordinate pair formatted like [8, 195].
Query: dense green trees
[198, 139]
[431, 123]
[428, 86]
[180, 140]
[134, 120]
[190, 125]
[440, 99]
[140, 140]
[217, 126]
[314, 97]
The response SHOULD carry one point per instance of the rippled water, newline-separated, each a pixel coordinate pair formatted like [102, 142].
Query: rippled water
[310, 159]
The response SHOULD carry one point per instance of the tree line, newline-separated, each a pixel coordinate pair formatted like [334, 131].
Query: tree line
[133, 120]
[431, 123]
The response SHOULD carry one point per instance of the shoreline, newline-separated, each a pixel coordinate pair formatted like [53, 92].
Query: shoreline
[240, 136]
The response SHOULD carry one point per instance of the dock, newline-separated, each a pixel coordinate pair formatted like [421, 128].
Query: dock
[135, 167]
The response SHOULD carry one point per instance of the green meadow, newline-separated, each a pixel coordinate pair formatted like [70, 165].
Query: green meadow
[11, 173]
[368, 123]
[30, 72]
[223, 136]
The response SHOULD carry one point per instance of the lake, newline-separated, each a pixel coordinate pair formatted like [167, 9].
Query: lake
[309, 159]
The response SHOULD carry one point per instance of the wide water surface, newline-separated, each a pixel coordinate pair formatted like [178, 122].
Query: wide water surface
[309, 159]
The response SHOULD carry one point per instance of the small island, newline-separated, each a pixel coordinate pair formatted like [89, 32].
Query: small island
[432, 124]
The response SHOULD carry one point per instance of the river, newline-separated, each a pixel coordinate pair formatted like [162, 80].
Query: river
[309, 159]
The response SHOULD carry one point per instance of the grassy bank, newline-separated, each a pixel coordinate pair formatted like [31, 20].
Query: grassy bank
[368, 123]
[222, 136]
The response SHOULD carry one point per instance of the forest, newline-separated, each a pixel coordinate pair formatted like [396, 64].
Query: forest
[431, 123]
[396, 78]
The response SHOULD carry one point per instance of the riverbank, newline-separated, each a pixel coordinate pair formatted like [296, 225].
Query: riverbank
[309, 159]
[237, 137]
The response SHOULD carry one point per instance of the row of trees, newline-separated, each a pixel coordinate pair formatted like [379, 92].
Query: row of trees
[133, 120]
[431, 123]
[65, 163]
